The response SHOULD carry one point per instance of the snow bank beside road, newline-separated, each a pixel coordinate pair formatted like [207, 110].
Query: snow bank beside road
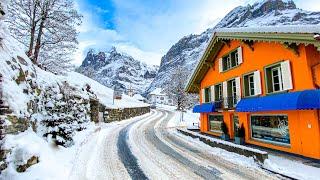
[55, 162]
[187, 120]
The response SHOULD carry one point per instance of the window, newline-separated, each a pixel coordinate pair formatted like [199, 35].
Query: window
[230, 61]
[232, 93]
[215, 123]
[207, 95]
[249, 87]
[278, 77]
[161, 98]
[271, 128]
[218, 92]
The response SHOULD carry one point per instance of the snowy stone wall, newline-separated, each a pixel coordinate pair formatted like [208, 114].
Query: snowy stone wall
[125, 113]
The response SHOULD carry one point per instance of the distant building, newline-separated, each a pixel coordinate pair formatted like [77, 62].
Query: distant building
[157, 96]
[139, 97]
[130, 92]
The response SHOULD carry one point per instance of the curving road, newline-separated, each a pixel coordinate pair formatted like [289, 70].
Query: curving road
[144, 148]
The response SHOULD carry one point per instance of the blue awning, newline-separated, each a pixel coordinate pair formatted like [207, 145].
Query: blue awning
[204, 108]
[301, 100]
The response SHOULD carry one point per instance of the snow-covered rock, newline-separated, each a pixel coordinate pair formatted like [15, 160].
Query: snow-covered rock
[188, 50]
[116, 69]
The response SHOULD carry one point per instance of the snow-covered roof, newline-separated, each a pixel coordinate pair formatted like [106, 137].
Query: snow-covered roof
[158, 92]
[274, 29]
[138, 97]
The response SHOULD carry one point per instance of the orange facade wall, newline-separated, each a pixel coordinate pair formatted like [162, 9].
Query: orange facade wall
[264, 54]
[304, 126]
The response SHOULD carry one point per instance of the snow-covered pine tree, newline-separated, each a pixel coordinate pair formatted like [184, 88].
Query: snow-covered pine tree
[175, 89]
[47, 28]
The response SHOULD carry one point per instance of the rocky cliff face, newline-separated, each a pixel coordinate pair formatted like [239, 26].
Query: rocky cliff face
[187, 51]
[116, 69]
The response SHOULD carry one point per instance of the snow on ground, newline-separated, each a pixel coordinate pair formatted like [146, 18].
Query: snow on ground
[88, 158]
[55, 162]
[291, 168]
[104, 94]
[186, 119]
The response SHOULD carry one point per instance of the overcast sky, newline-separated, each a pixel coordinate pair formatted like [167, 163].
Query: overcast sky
[146, 29]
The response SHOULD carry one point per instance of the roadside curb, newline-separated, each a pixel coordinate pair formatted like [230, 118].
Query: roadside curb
[258, 155]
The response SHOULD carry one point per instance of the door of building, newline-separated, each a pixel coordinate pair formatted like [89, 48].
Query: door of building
[235, 122]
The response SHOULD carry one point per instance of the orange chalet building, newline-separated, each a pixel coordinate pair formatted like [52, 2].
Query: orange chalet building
[266, 80]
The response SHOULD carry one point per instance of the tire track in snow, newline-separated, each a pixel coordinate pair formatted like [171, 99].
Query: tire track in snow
[153, 162]
[193, 151]
[202, 171]
[127, 158]
[98, 158]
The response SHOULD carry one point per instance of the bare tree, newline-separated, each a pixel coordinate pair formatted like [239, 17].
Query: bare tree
[175, 89]
[47, 28]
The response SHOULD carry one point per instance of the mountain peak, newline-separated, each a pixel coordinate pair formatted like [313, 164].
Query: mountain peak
[113, 50]
[188, 50]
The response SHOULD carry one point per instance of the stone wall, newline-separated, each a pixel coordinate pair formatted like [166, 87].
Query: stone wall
[110, 115]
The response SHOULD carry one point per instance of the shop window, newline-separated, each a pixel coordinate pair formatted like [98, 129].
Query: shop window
[270, 128]
[215, 123]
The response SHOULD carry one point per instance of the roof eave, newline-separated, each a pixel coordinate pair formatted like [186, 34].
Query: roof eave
[299, 38]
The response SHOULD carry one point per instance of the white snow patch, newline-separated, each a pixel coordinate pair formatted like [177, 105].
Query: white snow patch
[292, 168]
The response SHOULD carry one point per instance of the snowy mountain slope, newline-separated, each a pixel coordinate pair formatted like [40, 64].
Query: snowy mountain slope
[187, 51]
[116, 69]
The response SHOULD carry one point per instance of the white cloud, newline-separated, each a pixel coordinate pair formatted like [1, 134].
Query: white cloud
[144, 56]
[147, 29]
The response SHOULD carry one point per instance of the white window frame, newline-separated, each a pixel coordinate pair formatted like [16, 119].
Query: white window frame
[251, 85]
[220, 92]
[228, 59]
[278, 69]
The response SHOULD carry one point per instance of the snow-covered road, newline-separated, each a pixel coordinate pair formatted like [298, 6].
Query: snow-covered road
[144, 148]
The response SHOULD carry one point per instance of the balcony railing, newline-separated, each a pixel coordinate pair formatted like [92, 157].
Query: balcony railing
[227, 102]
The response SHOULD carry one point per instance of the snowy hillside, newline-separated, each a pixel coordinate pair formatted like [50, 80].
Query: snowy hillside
[115, 69]
[48, 108]
[187, 51]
